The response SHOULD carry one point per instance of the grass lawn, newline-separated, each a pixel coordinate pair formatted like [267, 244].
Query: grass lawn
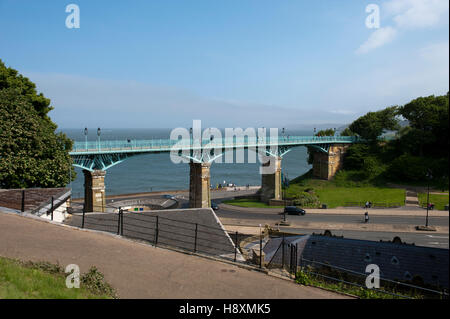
[249, 203]
[345, 188]
[20, 280]
[439, 201]
[339, 196]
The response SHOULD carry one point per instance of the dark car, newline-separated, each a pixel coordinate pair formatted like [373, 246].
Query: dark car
[214, 206]
[167, 196]
[293, 210]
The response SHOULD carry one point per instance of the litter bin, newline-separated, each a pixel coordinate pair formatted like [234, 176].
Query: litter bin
[324, 206]
[446, 207]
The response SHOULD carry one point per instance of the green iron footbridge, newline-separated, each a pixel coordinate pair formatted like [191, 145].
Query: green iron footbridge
[102, 155]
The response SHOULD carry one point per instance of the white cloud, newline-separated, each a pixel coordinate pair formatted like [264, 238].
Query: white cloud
[413, 14]
[406, 15]
[378, 38]
[436, 52]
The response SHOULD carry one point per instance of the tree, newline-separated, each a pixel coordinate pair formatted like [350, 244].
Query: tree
[373, 124]
[32, 154]
[327, 132]
[429, 124]
[347, 132]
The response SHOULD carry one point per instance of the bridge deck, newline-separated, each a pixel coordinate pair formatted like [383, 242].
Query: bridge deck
[166, 145]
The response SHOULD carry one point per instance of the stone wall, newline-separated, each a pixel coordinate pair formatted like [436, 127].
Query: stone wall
[325, 165]
[271, 183]
[199, 185]
[94, 191]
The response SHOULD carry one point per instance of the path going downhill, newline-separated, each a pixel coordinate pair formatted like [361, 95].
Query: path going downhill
[138, 270]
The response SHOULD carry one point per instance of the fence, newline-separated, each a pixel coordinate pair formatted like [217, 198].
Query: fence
[164, 231]
[287, 257]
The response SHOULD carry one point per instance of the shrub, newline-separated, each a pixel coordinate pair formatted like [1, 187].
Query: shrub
[95, 282]
[305, 199]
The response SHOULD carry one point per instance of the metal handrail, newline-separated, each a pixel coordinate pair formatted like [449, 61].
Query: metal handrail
[108, 146]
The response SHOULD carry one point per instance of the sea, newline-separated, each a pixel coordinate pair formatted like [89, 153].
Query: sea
[156, 172]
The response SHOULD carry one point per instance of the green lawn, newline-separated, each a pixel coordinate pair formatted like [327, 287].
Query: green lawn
[249, 203]
[339, 196]
[19, 281]
[343, 189]
[438, 200]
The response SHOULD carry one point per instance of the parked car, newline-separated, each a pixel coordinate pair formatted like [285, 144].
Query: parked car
[293, 210]
[167, 196]
[214, 206]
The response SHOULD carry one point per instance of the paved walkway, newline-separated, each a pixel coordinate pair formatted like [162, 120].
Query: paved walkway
[138, 270]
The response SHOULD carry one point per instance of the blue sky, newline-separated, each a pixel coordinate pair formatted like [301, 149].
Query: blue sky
[229, 63]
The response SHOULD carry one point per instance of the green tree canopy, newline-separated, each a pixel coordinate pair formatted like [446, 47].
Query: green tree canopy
[32, 154]
[327, 132]
[373, 124]
[429, 125]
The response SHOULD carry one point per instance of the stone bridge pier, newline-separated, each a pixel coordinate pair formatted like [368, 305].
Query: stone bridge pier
[199, 185]
[94, 191]
[271, 183]
[325, 165]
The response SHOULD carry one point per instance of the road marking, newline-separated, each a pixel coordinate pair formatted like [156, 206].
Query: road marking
[432, 236]
[436, 243]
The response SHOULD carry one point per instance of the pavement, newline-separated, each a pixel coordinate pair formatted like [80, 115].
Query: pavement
[138, 270]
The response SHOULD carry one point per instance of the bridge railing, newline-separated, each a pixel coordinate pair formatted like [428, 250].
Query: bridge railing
[167, 144]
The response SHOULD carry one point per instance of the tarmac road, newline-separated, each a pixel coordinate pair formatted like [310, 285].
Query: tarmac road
[271, 216]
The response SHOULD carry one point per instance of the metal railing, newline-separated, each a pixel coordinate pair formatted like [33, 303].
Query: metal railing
[167, 232]
[105, 146]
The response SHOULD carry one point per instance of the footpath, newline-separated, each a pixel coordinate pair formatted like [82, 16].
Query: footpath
[142, 271]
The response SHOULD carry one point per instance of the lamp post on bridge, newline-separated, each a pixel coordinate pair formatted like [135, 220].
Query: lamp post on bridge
[85, 137]
[191, 151]
[98, 134]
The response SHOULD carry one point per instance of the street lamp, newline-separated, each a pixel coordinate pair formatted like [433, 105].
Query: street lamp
[191, 152]
[85, 136]
[282, 132]
[429, 176]
[98, 134]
